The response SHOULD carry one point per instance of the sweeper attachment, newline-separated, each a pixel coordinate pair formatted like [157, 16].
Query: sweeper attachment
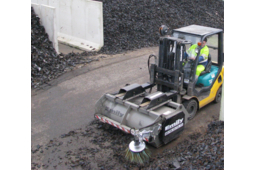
[159, 117]
[153, 118]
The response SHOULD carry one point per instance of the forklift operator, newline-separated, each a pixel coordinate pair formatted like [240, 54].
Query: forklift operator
[203, 58]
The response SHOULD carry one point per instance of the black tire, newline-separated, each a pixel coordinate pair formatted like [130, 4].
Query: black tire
[191, 107]
[218, 95]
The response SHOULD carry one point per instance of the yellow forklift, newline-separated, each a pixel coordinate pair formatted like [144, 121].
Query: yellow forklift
[193, 94]
[159, 117]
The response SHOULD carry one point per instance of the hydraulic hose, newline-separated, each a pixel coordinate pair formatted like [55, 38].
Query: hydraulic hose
[152, 55]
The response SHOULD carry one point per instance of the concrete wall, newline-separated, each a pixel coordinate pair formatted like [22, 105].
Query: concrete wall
[47, 16]
[79, 22]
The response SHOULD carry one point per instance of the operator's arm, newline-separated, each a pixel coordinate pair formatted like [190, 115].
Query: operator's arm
[204, 54]
[190, 52]
[201, 58]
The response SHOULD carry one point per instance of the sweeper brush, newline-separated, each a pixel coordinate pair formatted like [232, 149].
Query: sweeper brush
[138, 157]
[137, 152]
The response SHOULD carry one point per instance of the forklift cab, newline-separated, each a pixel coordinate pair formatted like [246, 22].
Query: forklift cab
[196, 34]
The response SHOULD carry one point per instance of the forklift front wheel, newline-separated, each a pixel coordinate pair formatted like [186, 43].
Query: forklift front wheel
[218, 95]
[191, 107]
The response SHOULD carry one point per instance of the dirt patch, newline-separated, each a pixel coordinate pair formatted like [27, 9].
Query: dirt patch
[98, 147]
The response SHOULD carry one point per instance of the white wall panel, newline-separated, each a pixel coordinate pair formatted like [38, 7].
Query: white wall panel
[65, 16]
[47, 16]
[44, 2]
[79, 22]
[34, 1]
[78, 19]
[49, 20]
[94, 22]
[55, 3]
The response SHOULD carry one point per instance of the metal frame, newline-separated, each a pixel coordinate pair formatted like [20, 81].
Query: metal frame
[192, 84]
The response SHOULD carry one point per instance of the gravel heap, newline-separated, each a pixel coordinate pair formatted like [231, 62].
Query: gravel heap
[133, 24]
[100, 147]
[46, 64]
[128, 25]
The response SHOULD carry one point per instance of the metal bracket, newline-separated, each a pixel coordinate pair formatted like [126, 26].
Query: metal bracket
[125, 115]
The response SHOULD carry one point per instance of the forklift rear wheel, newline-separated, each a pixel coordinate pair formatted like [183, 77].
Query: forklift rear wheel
[191, 107]
[218, 96]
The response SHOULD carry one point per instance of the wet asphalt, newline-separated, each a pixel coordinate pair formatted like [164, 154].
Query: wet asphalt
[69, 102]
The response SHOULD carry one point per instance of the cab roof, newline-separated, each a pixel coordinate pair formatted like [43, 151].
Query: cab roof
[198, 30]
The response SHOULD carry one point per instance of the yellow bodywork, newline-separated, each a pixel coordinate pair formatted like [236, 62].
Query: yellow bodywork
[213, 91]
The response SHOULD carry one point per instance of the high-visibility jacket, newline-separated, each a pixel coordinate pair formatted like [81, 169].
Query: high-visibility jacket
[203, 57]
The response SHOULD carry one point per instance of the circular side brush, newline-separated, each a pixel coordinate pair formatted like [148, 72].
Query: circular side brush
[137, 152]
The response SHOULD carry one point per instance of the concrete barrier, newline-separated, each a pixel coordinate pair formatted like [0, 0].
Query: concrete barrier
[79, 22]
[47, 16]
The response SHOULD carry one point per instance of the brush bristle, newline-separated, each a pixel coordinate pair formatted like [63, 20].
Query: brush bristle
[138, 157]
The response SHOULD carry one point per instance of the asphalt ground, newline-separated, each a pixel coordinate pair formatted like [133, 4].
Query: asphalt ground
[69, 102]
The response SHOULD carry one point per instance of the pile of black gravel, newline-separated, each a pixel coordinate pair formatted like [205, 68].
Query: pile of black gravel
[43, 55]
[46, 64]
[133, 24]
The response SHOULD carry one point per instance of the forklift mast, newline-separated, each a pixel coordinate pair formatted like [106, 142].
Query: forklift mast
[168, 73]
